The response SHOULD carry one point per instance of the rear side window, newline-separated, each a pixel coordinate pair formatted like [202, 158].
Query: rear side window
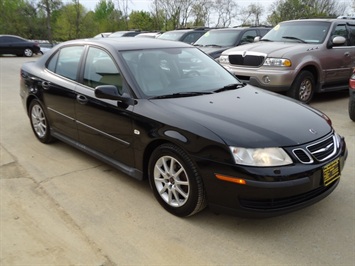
[66, 61]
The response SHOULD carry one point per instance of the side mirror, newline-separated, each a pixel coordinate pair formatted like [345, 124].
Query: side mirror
[336, 41]
[257, 38]
[110, 92]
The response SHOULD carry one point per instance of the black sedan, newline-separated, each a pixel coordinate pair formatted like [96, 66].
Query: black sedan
[168, 112]
[11, 44]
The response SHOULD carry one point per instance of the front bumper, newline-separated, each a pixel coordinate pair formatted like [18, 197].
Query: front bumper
[271, 79]
[268, 191]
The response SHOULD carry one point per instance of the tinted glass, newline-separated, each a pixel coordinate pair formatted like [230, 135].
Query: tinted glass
[173, 35]
[66, 61]
[219, 37]
[176, 70]
[100, 69]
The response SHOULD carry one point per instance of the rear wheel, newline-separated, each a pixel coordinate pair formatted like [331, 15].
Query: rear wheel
[39, 122]
[27, 52]
[175, 181]
[303, 87]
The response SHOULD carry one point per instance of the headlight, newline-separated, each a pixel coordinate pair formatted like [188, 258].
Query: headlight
[260, 157]
[277, 62]
[223, 59]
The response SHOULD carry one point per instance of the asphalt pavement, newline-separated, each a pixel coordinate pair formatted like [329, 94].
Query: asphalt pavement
[59, 206]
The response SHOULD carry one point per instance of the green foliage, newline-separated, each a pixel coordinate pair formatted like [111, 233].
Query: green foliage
[294, 9]
[53, 20]
[140, 20]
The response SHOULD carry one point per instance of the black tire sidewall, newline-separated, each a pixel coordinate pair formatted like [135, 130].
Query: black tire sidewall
[195, 182]
[47, 138]
[294, 91]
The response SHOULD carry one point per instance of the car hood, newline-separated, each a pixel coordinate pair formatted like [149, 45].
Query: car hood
[273, 49]
[246, 117]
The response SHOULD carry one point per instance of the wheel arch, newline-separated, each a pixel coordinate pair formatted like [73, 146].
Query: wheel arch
[148, 152]
[315, 72]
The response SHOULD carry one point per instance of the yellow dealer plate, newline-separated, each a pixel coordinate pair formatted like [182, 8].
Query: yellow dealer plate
[331, 172]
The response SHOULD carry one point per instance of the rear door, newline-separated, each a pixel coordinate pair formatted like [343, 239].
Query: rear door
[59, 90]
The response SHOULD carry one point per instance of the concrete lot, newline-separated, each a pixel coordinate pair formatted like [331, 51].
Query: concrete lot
[61, 207]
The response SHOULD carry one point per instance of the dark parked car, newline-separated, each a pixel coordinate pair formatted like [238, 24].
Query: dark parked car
[11, 44]
[184, 35]
[170, 113]
[215, 41]
[352, 96]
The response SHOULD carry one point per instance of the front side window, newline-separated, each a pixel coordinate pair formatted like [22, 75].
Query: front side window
[248, 36]
[66, 61]
[100, 69]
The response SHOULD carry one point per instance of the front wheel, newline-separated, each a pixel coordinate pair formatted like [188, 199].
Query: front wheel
[28, 52]
[175, 181]
[303, 87]
[39, 122]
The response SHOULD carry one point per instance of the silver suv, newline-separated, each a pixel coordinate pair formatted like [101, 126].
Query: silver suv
[300, 57]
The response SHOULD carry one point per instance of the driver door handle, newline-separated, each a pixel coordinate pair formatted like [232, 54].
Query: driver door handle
[82, 99]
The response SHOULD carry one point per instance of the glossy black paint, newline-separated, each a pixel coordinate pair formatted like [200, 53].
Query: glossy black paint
[124, 132]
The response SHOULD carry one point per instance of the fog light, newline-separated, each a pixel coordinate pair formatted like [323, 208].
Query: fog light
[266, 79]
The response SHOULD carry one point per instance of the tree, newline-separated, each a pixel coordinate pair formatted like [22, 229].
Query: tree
[49, 6]
[251, 14]
[70, 22]
[140, 20]
[226, 10]
[294, 9]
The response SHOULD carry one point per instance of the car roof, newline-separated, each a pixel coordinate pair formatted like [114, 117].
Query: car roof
[129, 43]
[322, 20]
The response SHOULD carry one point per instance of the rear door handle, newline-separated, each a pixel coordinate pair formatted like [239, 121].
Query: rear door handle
[82, 99]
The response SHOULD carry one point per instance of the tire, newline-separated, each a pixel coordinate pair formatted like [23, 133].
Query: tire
[175, 181]
[39, 122]
[303, 87]
[28, 52]
[352, 108]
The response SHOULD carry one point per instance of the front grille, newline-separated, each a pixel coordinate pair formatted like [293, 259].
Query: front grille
[248, 60]
[319, 151]
[323, 149]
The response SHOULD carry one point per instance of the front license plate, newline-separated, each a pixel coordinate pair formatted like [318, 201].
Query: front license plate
[331, 172]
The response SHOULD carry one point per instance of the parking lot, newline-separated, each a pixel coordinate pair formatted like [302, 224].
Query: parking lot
[60, 206]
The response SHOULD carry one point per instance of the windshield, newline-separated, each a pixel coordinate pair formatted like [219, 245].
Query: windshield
[169, 71]
[218, 37]
[299, 31]
[173, 36]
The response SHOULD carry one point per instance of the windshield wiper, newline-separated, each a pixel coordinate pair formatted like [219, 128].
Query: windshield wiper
[181, 94]
[213, 45]
[266, 40]
[293, 38]
[230, 87]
